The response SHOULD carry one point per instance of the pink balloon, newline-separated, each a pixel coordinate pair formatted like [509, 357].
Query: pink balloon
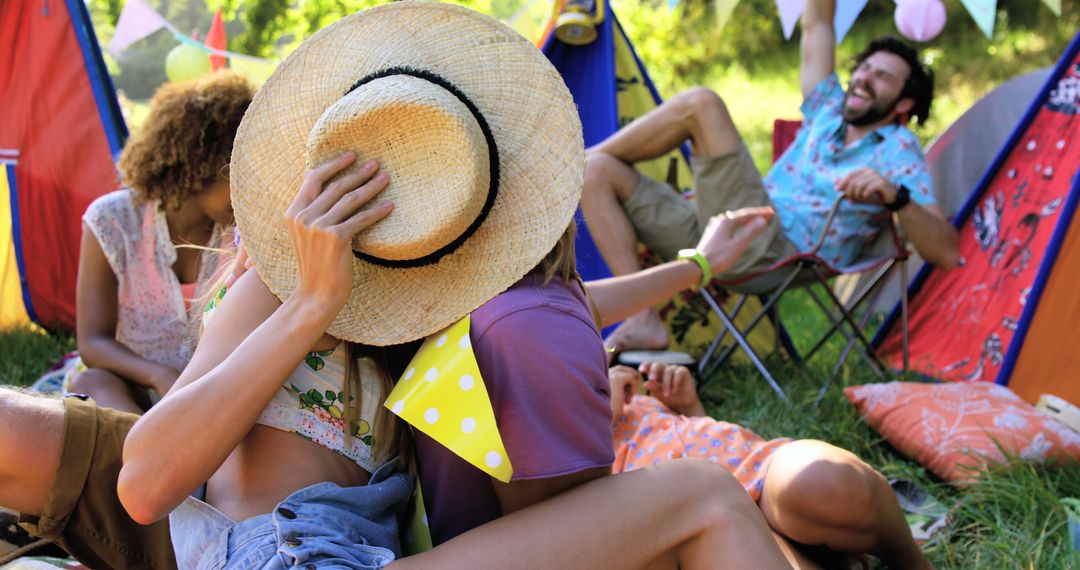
[920, 20]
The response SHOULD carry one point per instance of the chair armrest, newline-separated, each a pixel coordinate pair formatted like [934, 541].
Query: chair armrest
[828, 224]
[898, 240]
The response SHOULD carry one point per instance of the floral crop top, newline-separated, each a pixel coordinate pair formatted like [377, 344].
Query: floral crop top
[310, 405]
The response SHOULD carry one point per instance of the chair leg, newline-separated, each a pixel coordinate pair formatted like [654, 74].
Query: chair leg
[771, 301]
[851, 343]
[904, 311]
[838, 327]
[852, 338]
[704, 366]
[871, 295]
[783, 339]
[762, 313]
[866, 348]
[741, 340]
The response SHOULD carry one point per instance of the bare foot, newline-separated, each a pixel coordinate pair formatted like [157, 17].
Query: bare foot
[643, 331]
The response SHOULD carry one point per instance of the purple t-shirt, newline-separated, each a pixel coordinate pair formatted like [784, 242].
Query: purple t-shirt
[544, 366]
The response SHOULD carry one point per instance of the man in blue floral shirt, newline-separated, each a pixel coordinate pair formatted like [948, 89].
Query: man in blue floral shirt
[854, 142]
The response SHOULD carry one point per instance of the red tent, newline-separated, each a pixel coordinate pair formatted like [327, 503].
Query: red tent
[1009, 313]
[60, 132]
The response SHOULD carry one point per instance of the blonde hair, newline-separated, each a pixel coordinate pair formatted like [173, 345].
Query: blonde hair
[560, 261]
[392, 435]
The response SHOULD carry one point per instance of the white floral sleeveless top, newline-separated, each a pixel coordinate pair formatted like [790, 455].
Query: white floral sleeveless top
[310, 404]
[152, 319]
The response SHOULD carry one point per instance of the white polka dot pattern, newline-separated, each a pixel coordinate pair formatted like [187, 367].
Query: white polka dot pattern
[451, 404]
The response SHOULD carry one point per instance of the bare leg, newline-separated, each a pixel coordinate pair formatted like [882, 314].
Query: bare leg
[107, 389]
[613, 181]
[797, 558]
[652, 518]
[610, 179]
[30, 442]
[697, 114]
[819, 494]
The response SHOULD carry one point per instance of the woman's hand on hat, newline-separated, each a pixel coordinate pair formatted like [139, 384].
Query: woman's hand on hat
[324, 218]
[727, 236]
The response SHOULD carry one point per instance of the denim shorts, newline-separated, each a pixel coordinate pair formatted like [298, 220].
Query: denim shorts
[321, 526]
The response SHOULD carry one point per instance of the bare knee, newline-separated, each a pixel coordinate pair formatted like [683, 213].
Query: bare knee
[605, 174]
[830, 485]
[698, 106]
[709, 492]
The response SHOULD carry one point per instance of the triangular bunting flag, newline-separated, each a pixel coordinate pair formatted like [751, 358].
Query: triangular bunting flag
[847, 11]
[136, 22]
[1054, 5]
[529, 19]
[443, 395]
[215, 38]
[790, 10]
[984, 12]
[724, 8]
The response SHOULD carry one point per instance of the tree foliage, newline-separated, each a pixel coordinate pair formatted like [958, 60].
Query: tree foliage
[685, 47]
[681, 47]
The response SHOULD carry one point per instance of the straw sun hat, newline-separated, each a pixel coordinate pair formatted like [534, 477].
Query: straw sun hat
[476, 130]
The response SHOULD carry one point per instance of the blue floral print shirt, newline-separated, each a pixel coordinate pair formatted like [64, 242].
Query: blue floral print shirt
[802, 183]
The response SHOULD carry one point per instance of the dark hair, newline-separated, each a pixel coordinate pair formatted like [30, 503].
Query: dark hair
[187, 138]
[920, 82]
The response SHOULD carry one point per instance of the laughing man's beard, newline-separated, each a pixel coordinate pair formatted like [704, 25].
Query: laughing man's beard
[871, 115]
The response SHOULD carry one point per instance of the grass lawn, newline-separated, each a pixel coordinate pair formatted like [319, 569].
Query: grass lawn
[1010, 519]
[26, 353]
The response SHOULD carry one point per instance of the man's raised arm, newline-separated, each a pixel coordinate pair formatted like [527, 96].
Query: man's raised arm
[818, 44]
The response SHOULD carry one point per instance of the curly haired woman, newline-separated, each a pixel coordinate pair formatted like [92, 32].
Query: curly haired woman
[136, 277]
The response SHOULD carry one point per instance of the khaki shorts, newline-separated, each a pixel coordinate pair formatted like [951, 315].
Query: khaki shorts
[83, 514]
[666, 222]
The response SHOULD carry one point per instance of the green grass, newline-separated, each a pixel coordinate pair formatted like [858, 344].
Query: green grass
[26, 353]
[1010, 518]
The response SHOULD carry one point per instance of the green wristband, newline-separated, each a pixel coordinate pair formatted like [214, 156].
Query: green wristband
[699, 258]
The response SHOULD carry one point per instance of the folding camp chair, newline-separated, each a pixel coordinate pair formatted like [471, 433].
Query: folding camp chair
[802, 271]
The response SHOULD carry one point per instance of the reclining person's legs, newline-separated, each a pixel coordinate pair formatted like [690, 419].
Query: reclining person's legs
[610, 179]
[696, 114]
[818, 494]
[725, 178]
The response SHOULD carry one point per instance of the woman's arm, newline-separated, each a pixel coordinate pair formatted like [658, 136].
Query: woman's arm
[183, 440]
[726, 237]
[96, 309]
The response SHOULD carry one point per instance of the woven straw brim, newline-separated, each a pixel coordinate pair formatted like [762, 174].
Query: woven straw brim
[520, 94]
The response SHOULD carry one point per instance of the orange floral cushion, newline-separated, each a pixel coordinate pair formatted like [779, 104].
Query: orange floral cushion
[954, 429]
